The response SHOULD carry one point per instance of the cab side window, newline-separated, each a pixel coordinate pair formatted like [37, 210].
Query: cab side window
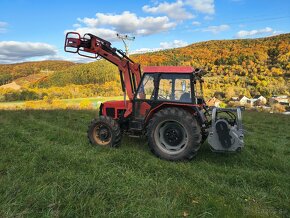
[175, 87]
[146, 89]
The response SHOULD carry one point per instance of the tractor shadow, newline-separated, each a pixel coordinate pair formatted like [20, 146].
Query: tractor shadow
[220, 158]
[135, 143]
[205, 154]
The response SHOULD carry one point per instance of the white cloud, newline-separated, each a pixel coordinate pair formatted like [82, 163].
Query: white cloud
[173, 10]
[249, 33]
[203, 6]
[144, 50]
[107, 25]
[216, 29]
[3, 24]
[70, 57]
[208, 17]
[195, 23]
[174, 44]
[3, 27]
[12, 51]
[276, 32]
[177, 10]
[163, 45]
[76, 25]
[106, 34]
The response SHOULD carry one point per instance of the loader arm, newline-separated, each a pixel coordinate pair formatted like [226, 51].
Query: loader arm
[94, 47]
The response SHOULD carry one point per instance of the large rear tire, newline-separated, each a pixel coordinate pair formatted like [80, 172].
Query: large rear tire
[174, 134]
[104, 131]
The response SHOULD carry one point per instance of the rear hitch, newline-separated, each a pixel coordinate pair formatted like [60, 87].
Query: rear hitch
[226, 132]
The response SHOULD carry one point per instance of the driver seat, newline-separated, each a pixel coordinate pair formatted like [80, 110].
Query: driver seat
[185, 97]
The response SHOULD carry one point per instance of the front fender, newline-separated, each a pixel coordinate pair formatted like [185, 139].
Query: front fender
[101, 109]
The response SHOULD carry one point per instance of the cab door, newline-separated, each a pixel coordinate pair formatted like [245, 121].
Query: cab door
[145, 96]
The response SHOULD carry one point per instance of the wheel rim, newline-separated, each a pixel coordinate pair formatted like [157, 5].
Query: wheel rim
[102, 134]
[171, 137]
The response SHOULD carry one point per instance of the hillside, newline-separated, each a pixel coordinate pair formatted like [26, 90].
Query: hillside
[244, 66]
[10, 72]
[252, 66]
[97, 72]
[235, 67]
[27, 81]
[48, 168]
[261, 52]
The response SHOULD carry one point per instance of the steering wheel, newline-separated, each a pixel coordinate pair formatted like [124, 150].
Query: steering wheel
[162, 97]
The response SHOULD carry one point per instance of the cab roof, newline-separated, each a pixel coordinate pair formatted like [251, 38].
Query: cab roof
[168, 69]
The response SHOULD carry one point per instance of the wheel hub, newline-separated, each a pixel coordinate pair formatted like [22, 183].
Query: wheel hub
[102, 134]
[172, 136]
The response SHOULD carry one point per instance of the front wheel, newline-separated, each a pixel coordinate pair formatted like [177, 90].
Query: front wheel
[174, 134]
[104, 131]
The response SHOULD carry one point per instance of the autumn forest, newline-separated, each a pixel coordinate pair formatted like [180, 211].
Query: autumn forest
[234, 67]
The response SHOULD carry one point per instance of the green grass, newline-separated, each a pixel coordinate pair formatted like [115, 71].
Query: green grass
[68, 102]
[48, 169]
[93, 99]
[11, 104]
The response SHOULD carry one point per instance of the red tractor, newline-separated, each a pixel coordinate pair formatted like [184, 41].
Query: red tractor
[164, 103]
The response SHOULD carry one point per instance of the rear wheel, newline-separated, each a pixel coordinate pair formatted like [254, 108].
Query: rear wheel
[104, 131]
[174, 134]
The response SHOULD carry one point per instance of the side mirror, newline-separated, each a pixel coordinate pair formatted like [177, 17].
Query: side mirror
[199, 72]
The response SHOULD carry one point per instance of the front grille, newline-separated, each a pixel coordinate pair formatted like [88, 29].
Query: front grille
[110, 112]
[120, 112]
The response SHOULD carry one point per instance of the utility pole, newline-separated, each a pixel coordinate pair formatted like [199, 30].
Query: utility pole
[125, 38]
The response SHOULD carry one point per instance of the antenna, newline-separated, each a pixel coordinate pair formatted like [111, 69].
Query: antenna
[125, 38]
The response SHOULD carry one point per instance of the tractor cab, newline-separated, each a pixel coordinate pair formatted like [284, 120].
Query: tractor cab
[163, 86]
[172, 83]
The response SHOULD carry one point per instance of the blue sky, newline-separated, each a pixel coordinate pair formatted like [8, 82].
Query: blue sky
[34, 29]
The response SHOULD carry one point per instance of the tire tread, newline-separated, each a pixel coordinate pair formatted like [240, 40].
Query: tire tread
[114, 126]
[190, 119]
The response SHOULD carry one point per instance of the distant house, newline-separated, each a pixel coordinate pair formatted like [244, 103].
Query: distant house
[213, 102]
[243, 100]
[262, 100]
[282, 99]
[236, 98]
[251, 101]
[257, 100]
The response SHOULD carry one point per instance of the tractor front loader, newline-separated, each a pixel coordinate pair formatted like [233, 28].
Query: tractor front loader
[165, 103]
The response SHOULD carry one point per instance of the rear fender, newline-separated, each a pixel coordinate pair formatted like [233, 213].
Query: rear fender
[194, 109]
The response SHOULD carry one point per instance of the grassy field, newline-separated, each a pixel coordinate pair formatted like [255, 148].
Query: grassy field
[69, 102]
[48, 169]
